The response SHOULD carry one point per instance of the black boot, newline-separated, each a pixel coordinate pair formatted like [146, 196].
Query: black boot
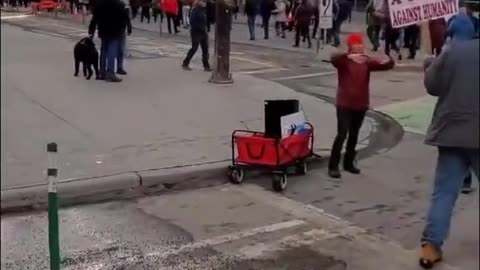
[349, 163]
[334, 173]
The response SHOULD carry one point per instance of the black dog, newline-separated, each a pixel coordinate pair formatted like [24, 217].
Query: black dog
[86, 53]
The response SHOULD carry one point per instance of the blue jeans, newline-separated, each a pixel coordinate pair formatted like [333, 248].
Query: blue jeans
[121, 52]
[251, 25]
[452, 166]
[108, 53]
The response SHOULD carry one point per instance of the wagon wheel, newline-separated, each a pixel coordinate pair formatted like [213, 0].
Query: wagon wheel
[279, 182]
[236, 175]
[301, 168]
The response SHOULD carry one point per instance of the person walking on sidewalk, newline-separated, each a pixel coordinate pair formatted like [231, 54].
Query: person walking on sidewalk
[353, 68]
[198, 34]
[251, 10]
[438, 29]
[210, 9]
[146, 5]
[127, 30]
[303, 16]
[454, 130]
[186, 7]
[109, 17]
[170, 7]
[281, 17]
[134, 5]
[266, 8]
[376, 10]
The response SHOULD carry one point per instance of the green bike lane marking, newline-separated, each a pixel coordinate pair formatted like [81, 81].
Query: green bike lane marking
[414, 115]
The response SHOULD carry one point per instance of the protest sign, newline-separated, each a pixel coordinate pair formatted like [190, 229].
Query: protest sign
[408, 12]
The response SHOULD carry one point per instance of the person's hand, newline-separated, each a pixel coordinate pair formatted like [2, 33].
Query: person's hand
[359, 58]
[129, 32]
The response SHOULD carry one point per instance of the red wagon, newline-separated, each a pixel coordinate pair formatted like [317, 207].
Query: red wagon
[252, 149]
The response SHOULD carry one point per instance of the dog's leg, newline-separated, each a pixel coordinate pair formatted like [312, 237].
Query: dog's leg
[77, 66]
[90, 71]
[85, 69]
[95, 67]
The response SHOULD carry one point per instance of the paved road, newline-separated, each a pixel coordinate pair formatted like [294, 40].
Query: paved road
[222, 228]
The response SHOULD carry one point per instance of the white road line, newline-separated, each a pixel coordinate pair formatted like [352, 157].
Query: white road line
[304, 76]
[10, 17]
[229, 237]
[300, 239]
[265, 64]
[260, 71]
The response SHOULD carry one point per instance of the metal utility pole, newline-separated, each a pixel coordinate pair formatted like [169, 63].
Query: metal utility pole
[223, 25]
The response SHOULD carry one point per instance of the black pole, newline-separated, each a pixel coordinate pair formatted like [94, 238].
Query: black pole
[223, 25]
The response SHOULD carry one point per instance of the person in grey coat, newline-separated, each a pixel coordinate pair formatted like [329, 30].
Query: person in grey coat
[454, 130]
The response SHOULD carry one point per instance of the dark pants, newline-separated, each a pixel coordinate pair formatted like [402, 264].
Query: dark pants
[335, 31]
[304, 32]
[280, 28]
[391, 37]
[349, 123]
[108, 54]
[316, 22]
[373, 32]
[202, 40]
[145, 14]
[134, 11]
[266, 24]
[411, 38]
[251, 25]
[121, 52]
[172, 19]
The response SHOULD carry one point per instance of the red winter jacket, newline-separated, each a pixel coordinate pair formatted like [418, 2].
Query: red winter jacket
[169, 6]
[353, 80]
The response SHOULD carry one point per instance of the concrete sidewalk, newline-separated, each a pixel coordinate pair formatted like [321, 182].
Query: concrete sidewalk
[159, 118]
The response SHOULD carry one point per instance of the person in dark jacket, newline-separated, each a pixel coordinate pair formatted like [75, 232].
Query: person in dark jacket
[303, 15]
[266, 8]
[198, 34]
[353, 68]
[134, 5]
[121, 51]
[341, 10]
[146, 5]
[109, 17]
[454, 131]
[251, 10]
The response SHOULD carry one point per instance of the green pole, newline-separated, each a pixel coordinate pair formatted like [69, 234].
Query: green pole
[53, 233]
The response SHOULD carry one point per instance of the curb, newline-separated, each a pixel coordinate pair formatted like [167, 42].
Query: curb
[125, 186]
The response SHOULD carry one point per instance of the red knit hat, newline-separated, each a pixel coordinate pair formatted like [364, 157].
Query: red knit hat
[354, 39]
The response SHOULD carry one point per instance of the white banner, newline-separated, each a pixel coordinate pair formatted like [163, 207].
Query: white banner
[326, 14]
[408, 12]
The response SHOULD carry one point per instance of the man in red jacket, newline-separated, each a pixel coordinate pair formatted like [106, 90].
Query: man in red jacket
[353, 68]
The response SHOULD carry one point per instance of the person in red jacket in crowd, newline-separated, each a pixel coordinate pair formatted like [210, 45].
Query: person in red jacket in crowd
[170, 7]
[353, 68]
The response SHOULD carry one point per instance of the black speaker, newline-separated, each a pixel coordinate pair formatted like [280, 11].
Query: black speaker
[274, 110]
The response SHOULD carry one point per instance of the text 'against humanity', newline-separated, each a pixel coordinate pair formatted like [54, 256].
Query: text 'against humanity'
[422, 12]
